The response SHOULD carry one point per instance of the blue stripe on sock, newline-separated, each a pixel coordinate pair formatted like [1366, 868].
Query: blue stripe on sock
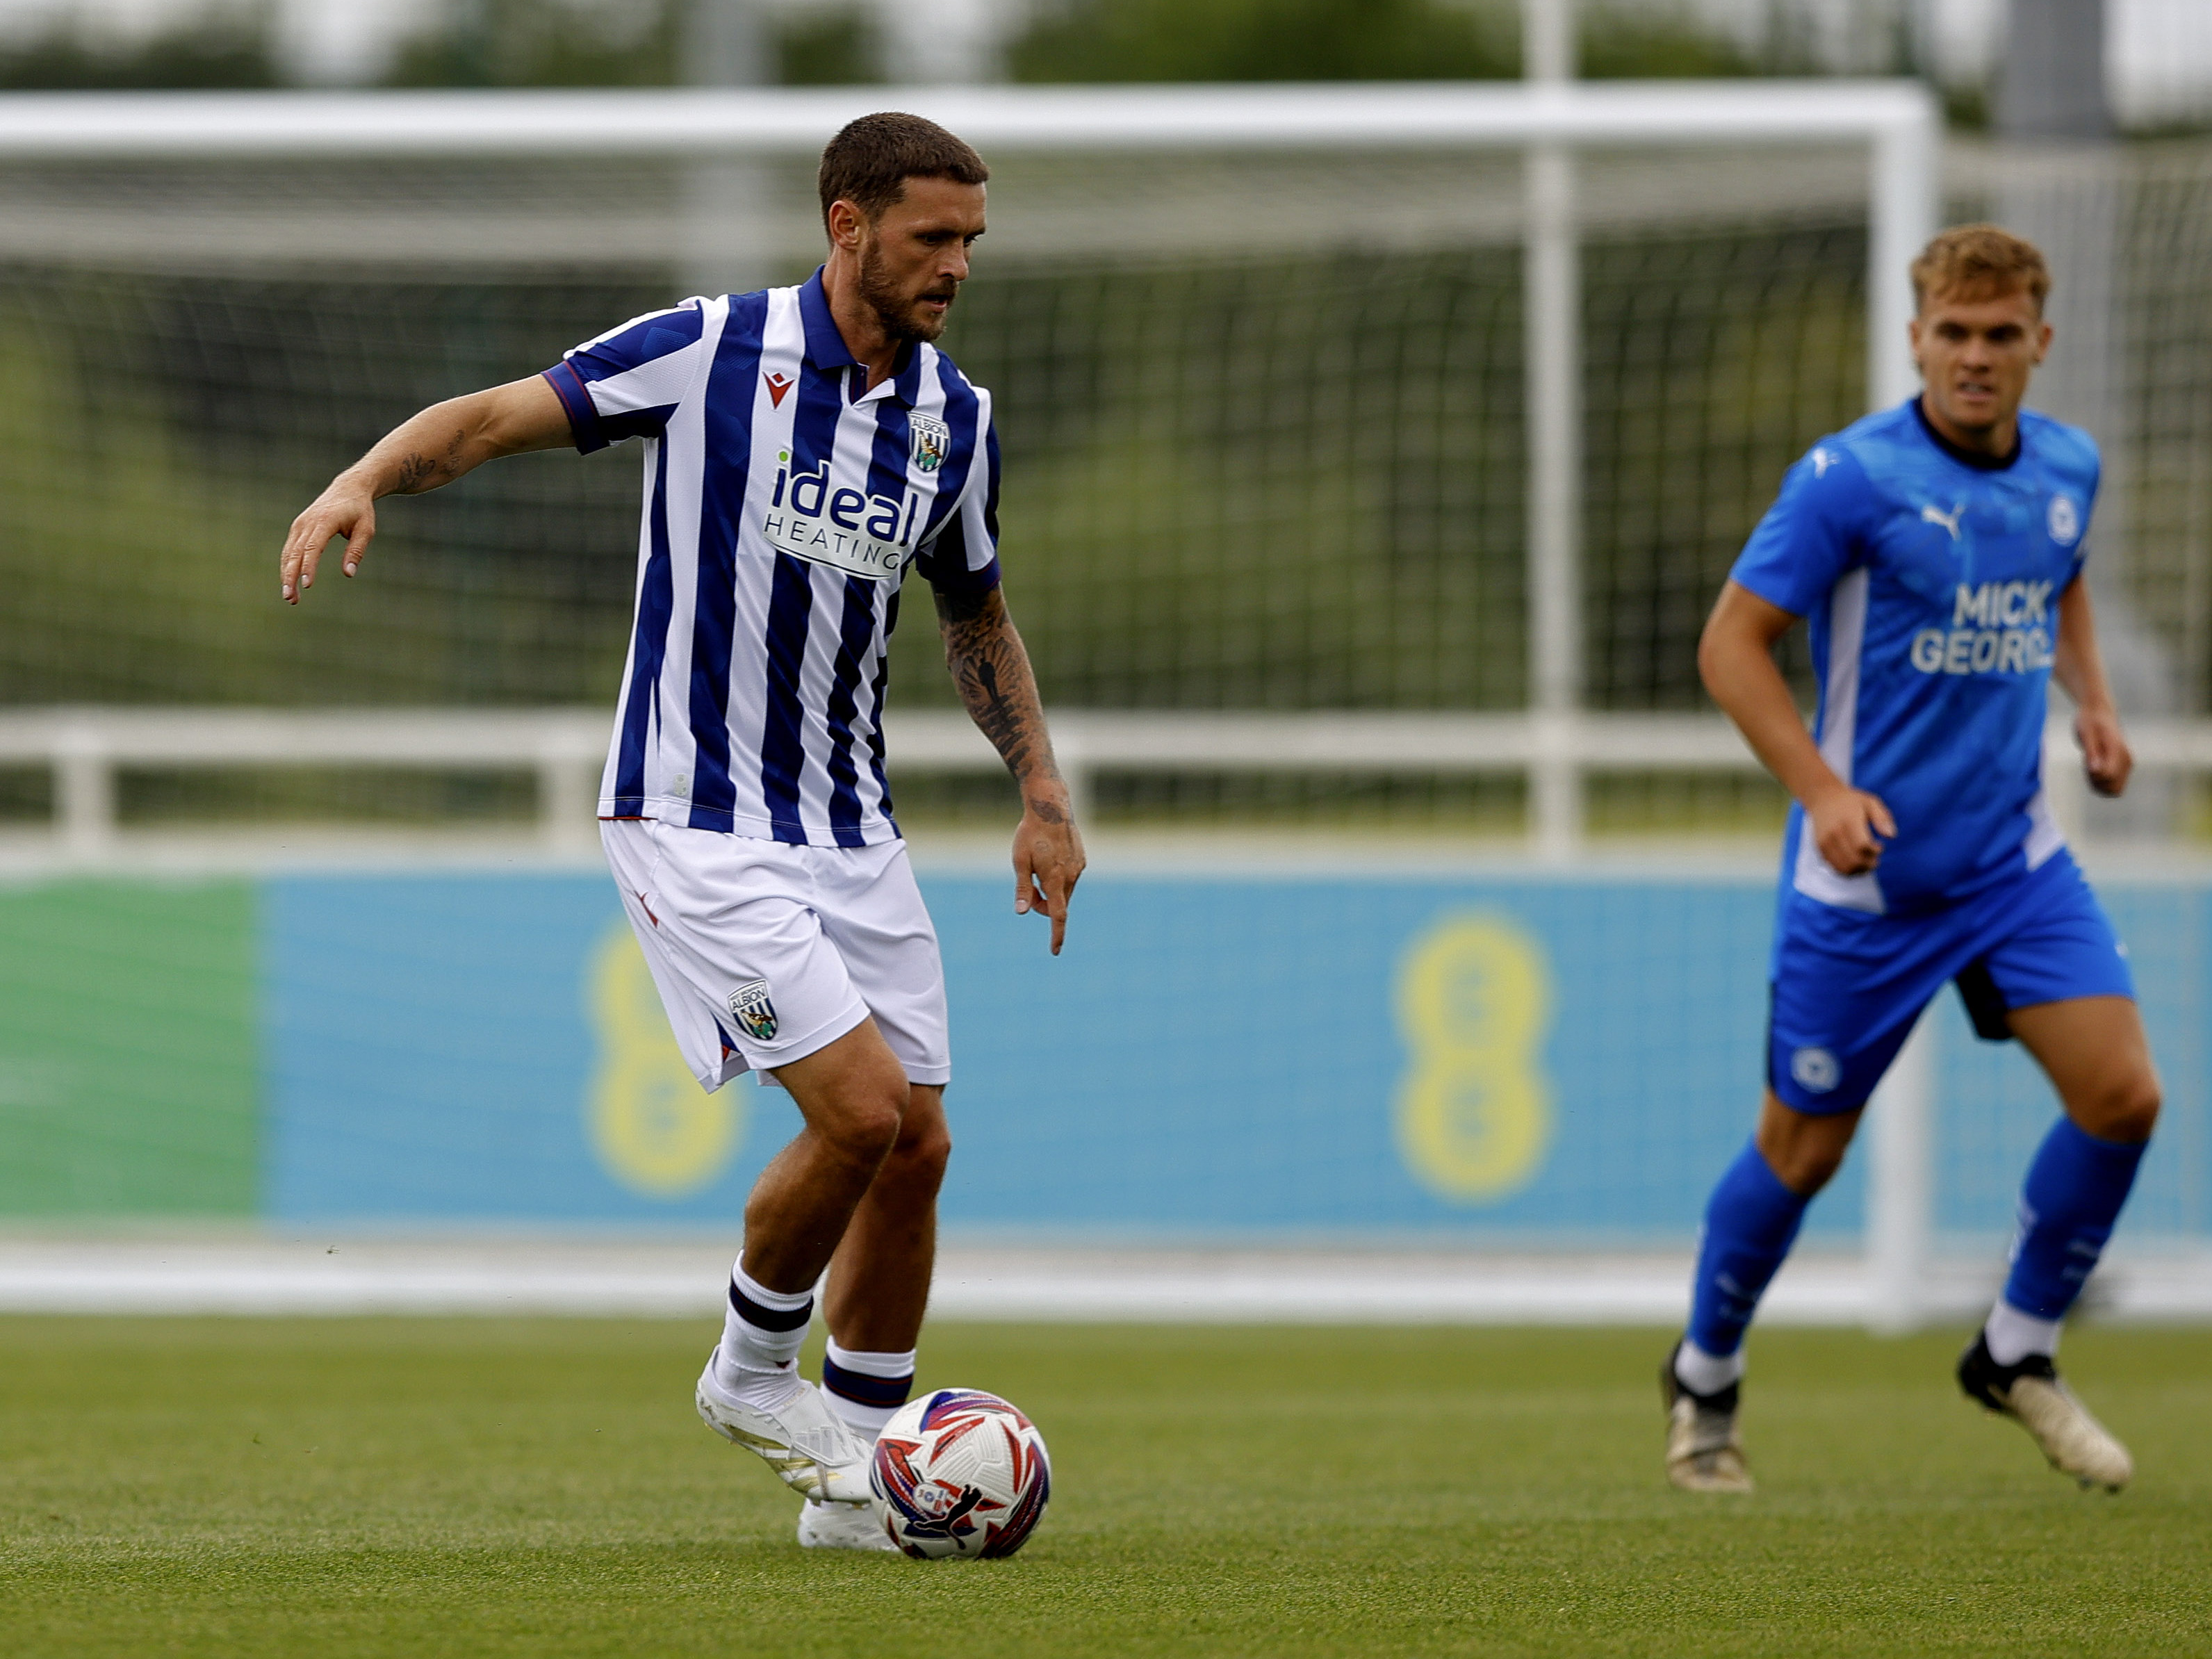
[865, 1390]
[769, 1319]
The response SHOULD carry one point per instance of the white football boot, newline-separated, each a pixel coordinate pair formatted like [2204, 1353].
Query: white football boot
[811, 1451]
[2034, 1396]
[1703, 1451]
[843, 1526]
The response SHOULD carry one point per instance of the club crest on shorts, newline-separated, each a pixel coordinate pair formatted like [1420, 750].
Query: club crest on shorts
[933, 442]
[750, 1008]
[1815, 1070]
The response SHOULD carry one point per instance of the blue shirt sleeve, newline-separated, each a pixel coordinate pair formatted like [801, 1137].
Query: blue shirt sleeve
[2089, 514]
[1813, 534]
[964, 556]
[626, 383]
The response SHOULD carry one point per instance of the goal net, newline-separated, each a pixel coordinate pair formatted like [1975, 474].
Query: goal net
[1265, 399]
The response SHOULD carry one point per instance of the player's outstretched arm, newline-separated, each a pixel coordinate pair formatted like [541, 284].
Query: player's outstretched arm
[434, 447]
[1735, 659]
[992, 670]
[2080, 668]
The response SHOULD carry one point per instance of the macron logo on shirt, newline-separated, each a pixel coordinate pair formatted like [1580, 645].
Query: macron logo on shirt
[2001, 628]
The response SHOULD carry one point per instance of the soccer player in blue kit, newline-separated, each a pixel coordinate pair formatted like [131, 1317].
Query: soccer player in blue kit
[1937, 550]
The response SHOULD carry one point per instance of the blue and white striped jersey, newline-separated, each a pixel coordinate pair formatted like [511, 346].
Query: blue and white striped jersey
[783, 505]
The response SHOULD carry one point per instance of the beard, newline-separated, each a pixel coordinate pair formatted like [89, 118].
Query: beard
[900, 315]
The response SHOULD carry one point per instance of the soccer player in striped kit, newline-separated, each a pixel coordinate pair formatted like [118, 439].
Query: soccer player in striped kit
[1938, 549]
[804, 448]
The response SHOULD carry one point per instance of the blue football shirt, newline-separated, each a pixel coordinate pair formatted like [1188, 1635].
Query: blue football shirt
[1932, 580]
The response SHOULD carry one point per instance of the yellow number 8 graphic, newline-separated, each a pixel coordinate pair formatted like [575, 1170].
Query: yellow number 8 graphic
[654, 1129]
[1474, 1110]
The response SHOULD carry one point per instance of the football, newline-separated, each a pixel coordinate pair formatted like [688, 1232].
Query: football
[961, 1475]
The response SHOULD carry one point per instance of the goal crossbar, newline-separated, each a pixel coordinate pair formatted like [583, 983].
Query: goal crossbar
[771, 121]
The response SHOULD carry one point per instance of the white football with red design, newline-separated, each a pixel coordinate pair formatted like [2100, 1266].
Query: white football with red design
[960, 1475]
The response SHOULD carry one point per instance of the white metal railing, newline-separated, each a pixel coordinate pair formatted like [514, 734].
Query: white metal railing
[86, 747]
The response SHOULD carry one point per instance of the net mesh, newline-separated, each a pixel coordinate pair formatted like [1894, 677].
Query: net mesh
[1263, 419]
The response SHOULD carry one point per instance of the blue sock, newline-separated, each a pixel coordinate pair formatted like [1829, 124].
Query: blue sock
[1751, 1221]
[2068, 1204]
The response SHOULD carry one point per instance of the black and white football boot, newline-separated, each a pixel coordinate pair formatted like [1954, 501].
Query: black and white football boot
[2032, 1395]
[1703, 1452]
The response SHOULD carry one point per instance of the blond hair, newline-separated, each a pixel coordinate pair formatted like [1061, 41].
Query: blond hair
[1980, 262]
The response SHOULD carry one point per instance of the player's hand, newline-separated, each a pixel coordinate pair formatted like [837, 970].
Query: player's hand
[2104, 753]
[1048, 857]
[346, 508]
[1849, 827]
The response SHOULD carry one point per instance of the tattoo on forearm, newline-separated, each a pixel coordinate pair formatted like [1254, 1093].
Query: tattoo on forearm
[991, 670]
[418, 472]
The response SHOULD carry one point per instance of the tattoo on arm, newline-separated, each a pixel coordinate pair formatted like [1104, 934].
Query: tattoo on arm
[418, 472]
[992, 673]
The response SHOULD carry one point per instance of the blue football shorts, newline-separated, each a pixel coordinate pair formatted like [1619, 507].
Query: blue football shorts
[1847, 986]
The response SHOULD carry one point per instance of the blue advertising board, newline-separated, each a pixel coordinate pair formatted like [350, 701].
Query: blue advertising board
[1260, 1057]
[1536, 1057]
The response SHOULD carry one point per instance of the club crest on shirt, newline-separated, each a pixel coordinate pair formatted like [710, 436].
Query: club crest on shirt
[2066, 520]
[931, 443]
[750, 1008]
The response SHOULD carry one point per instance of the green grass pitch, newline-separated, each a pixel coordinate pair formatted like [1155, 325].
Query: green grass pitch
[501, 1487]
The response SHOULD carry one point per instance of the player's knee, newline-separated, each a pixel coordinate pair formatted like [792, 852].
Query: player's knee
[868, 1136]
[1804, 1151]
[865, 1125]
[1809, 1166]
[922, 1154]
[2127, 1109]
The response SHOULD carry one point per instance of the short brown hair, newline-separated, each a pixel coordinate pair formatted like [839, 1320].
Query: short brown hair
[869, 162]
[1980, 262]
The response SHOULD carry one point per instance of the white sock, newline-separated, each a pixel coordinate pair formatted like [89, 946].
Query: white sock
[756, 1364]
[865, 1390]
[2013, 1336]
[1705, 1373]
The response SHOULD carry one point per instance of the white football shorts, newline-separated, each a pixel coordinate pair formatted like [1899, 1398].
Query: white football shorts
[766, 953]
